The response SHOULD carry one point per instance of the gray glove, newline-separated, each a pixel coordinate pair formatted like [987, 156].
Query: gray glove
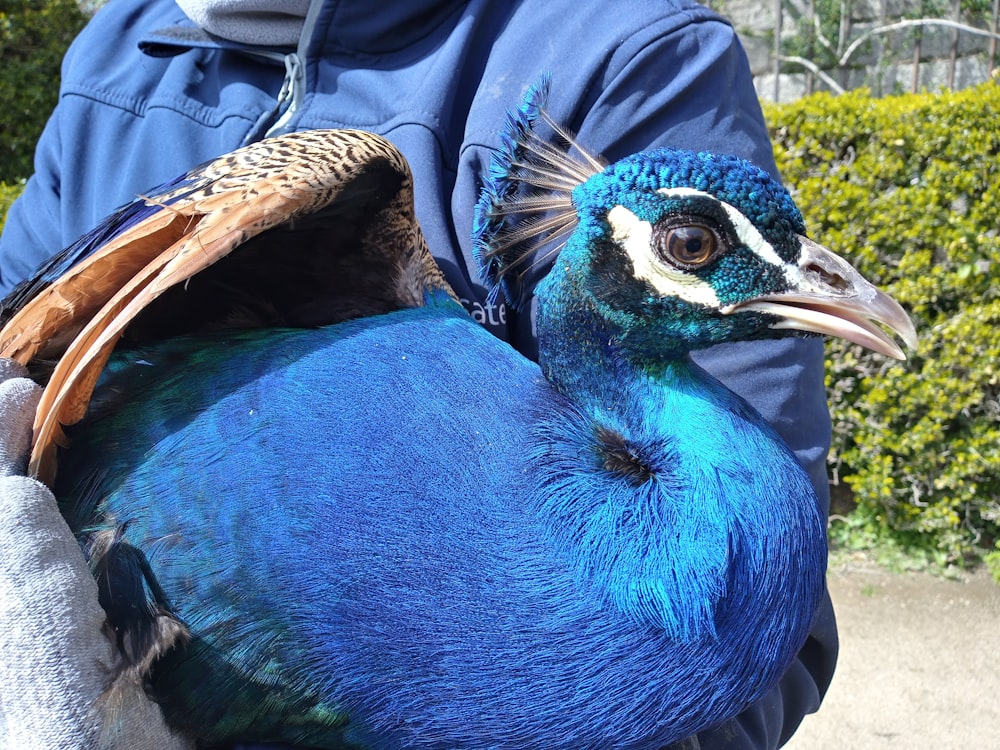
[54, 657]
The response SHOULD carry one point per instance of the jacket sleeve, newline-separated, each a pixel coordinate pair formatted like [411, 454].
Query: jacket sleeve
[690, 87]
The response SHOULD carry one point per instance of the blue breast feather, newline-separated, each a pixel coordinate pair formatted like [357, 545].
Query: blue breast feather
[408, 534]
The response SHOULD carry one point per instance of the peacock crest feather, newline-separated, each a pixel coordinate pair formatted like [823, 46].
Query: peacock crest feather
[526, 202]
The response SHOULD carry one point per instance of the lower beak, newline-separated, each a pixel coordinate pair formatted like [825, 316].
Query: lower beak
[830, 297]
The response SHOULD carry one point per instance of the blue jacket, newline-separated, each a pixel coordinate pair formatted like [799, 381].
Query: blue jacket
[145, 95]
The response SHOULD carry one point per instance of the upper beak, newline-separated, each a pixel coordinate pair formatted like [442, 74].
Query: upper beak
[831, 297]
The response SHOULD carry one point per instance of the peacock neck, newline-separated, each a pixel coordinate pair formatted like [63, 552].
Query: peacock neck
[588, 352]
[690, 512]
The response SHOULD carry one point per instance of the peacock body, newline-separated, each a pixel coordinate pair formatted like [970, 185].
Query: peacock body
[394, 531]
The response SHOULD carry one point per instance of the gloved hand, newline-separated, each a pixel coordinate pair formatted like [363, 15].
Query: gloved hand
[54, 658]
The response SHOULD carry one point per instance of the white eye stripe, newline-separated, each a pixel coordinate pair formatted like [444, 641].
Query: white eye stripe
[745, 230]
[635, 235]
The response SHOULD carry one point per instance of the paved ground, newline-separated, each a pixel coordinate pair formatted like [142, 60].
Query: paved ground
[919, 664]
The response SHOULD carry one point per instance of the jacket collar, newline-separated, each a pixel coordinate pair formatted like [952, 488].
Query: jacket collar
[352, 25]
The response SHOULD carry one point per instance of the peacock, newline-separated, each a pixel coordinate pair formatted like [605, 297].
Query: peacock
[324, 506]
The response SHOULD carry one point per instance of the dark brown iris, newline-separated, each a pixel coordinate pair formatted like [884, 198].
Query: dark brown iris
[688, 246]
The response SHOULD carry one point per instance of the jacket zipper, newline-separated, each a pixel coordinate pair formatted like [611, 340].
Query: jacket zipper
[290, 96]
[293, 88]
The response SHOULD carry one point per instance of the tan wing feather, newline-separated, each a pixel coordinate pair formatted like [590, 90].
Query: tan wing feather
[44, 327]
[234, 198]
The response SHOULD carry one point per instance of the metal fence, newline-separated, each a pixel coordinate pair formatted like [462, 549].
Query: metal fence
[889, 46]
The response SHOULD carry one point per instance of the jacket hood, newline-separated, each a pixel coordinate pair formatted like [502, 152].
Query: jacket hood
[350, 26]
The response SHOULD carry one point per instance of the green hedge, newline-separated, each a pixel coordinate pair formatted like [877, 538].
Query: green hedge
[34, 35]
[908, 189]
[7, 195]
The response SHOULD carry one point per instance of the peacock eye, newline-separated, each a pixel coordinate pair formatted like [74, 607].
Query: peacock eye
[689, 245]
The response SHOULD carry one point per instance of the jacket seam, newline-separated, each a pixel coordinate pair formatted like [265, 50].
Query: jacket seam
[139, 107]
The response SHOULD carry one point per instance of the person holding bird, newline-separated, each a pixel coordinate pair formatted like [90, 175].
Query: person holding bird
[181, 84]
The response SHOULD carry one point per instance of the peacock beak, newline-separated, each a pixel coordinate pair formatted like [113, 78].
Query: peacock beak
[829, 296]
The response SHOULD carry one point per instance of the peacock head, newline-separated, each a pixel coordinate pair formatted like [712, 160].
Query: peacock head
[671, 250]
[681, 250]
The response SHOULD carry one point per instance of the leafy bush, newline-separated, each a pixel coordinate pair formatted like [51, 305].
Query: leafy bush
[8, 193]
[908, 189]
[34, 35]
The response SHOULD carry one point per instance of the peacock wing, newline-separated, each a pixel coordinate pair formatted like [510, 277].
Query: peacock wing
[325, 224]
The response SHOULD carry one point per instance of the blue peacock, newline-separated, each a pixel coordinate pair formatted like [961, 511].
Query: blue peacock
[324, 506]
